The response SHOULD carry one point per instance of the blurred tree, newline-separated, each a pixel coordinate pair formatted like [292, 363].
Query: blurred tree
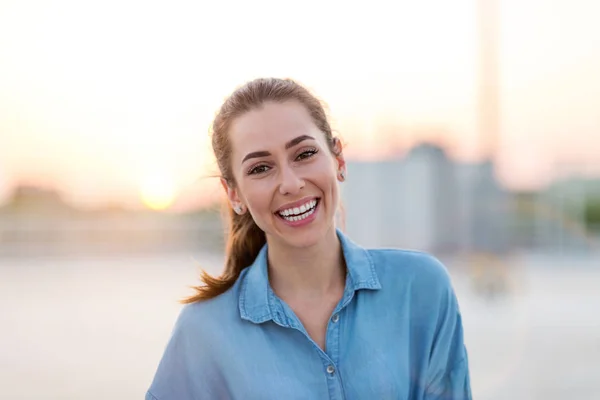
[592, 213]
[32, 200]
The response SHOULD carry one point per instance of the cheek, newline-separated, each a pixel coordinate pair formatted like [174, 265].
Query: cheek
[256, 196]
[326, 173]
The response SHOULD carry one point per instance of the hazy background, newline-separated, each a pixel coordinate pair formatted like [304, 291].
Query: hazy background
[472, 132]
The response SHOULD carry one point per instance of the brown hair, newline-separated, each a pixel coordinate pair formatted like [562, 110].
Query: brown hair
[244, 237]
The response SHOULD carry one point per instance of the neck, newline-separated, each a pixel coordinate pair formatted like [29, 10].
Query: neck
[307, 272]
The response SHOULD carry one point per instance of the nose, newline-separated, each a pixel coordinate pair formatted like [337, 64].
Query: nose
[290, 182]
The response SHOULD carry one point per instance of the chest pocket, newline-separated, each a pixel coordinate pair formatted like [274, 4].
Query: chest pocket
[377, 372]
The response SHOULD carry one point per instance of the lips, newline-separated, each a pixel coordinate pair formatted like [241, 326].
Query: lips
[298, 207]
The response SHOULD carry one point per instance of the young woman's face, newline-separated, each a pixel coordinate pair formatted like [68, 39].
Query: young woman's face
[285, 173]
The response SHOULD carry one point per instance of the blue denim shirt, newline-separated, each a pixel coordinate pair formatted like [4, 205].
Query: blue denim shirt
[395, 334]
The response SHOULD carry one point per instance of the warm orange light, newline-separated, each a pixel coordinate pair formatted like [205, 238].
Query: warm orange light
[157, 192]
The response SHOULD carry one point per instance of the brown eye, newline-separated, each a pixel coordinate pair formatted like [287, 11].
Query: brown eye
[259, 169]
[307, 154]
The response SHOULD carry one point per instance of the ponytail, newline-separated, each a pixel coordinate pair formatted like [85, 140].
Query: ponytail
[244, 241]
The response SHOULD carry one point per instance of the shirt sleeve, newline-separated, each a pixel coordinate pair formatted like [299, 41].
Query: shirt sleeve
[149, 396]
[448, 376]
[186, 369]
[453, 385]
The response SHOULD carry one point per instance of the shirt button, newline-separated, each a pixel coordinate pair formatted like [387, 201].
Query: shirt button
[335, 318]
[330, 370]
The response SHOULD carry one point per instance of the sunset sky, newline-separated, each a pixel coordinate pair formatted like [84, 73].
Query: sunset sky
[111, 101]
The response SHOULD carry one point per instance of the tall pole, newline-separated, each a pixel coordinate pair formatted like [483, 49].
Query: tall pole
[488, 20]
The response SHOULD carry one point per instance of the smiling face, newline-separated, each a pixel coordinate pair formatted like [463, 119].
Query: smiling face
[286, 173]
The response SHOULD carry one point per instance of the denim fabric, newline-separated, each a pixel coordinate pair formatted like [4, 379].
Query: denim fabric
[395, 334]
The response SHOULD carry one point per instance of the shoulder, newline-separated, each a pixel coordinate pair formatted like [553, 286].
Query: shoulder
[410, 266]
[416, 278]
[419, 284]
[202, 316]
[201, 333]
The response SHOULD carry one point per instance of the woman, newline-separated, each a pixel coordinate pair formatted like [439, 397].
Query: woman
[302, 312]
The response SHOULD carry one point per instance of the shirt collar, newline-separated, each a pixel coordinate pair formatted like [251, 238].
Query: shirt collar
[257, 301]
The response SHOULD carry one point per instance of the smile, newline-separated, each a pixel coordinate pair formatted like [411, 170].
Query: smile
[299, 213]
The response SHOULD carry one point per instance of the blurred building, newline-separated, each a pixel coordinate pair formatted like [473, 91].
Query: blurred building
[426, 201]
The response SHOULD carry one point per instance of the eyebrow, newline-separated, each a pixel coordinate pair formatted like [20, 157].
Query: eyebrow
[291, 143]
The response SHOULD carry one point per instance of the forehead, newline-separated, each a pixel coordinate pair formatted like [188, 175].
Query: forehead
[272, 125]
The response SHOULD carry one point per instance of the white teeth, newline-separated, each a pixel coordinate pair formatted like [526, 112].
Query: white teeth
[300, 217]
[299, 213]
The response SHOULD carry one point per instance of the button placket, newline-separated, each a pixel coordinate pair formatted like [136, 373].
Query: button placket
[333, 337]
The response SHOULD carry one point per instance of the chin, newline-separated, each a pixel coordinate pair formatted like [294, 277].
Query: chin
[300, 241]
[305, 238]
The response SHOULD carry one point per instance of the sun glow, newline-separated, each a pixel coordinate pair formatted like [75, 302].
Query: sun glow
[158, 191]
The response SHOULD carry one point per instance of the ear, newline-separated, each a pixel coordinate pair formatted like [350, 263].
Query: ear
[339, 158]
[232, 195]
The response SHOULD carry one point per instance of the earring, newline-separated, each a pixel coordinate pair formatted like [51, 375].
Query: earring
[238, 209]
[342, 175]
